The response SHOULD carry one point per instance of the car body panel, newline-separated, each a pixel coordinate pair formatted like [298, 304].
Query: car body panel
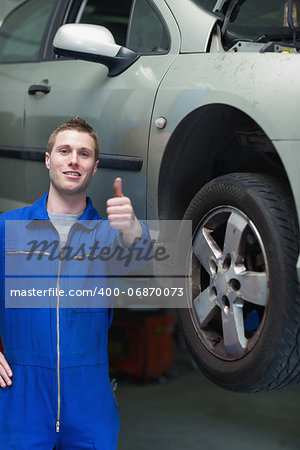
[220, 78]
[14, 81]
[120, 112]
[195, 25]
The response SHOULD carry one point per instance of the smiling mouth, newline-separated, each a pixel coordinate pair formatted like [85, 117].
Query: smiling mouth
[72, 174]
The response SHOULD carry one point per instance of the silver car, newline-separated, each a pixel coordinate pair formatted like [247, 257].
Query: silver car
[196, 103]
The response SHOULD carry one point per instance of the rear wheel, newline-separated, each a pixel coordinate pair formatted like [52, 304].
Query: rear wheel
[243, 318]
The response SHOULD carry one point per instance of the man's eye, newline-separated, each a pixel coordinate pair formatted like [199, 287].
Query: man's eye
[84, 154]
[63, 151]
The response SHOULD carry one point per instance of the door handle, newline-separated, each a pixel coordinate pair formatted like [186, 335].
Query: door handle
[34, 88]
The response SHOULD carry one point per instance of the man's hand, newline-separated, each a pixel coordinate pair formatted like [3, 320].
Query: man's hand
[121, 215]
[5, 372]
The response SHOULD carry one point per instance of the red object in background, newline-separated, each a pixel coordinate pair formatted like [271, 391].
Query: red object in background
[1, 346]
[141, 346]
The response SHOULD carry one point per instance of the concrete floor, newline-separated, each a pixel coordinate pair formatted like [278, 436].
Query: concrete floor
[188, 412]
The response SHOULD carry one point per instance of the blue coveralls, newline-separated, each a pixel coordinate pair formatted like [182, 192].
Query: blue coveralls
[60, 393]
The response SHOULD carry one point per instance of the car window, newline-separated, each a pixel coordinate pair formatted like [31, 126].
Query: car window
[147, 32]
[112, 14]
[22, 32]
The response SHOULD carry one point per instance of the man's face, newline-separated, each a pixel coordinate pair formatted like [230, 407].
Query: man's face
[72, 162]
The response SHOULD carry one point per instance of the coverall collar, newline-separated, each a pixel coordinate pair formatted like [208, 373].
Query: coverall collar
[38, 211]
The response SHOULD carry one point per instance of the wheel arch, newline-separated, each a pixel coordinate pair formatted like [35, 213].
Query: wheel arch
[212, 140]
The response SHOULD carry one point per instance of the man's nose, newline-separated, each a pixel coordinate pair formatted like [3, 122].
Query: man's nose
[73, 158]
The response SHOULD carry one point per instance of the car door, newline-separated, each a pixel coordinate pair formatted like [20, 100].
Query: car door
[21, 38]
[119, 108]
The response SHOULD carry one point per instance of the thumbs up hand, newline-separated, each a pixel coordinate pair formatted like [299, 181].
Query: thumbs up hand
[121, 215]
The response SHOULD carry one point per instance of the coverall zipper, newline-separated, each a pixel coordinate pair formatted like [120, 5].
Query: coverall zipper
[58, 343]
[61, 251]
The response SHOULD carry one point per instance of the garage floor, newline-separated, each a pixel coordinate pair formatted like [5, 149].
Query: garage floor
[188, 412]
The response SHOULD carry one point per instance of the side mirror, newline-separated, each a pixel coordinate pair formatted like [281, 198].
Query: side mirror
[93, 43]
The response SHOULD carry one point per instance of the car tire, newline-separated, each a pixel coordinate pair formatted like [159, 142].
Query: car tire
[242, 317]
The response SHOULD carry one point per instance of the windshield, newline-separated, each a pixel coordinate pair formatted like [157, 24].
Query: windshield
[261, 19]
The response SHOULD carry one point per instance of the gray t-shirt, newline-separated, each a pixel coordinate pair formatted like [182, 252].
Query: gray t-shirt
[63, 223]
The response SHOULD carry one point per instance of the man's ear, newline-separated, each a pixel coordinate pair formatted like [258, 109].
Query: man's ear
[95, 167]
[47, 160]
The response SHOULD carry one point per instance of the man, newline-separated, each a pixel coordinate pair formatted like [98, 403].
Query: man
[54, 375]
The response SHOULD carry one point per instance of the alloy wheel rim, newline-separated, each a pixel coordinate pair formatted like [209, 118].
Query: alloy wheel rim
[229, 295]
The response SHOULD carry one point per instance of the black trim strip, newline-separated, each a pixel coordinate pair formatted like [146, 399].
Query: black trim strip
[20, 153]
[132, 163]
